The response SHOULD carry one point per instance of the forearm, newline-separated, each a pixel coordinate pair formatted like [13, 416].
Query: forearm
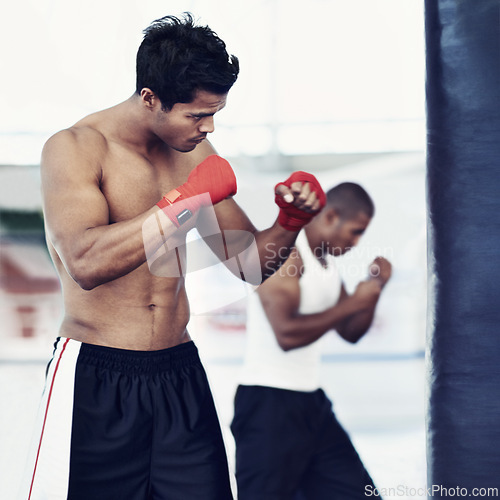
[357, 324]
[104, 253]
[274, 246]
[354, 327]
[304, 329]
[258, 254]
[300, 198]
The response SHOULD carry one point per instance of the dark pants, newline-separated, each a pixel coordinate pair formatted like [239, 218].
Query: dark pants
[289, 445]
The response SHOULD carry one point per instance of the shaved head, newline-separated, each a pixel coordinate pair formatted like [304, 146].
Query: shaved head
[349, 199]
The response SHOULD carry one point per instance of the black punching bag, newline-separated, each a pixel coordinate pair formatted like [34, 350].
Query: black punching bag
[463, 189]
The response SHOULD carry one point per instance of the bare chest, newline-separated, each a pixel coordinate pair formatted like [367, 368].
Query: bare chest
[132, 183]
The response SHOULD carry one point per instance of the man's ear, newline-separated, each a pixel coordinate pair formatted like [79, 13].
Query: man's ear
[149, 98]
[330, 214]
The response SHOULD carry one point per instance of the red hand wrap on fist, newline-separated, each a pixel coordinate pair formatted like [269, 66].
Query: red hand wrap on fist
[213, 175]
[290, 217]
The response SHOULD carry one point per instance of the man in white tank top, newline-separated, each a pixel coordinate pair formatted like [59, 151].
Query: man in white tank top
[289, 444]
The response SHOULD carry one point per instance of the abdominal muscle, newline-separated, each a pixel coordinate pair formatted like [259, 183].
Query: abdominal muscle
[138, 311]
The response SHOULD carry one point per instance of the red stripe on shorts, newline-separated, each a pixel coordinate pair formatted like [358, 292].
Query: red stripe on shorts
[45, 417]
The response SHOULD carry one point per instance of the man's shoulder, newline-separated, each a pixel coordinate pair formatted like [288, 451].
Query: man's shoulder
[77, 149]
[293, 268]
[80, 142]
[81, 135]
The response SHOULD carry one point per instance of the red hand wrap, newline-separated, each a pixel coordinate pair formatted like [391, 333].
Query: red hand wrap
[213, 175]
[290, 217]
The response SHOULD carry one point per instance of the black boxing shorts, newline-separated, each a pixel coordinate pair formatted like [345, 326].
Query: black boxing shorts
[121, 424]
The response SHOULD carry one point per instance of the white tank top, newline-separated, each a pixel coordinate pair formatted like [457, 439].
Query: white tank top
[265, 363]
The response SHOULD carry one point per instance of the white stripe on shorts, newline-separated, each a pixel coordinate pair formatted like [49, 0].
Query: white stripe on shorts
[47, 473]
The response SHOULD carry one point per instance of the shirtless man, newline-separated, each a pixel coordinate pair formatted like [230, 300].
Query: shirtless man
[127, 412]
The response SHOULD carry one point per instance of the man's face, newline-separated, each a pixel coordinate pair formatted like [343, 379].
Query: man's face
[187, 124]
[344, 234]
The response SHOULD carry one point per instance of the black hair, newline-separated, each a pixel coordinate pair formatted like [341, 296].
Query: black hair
[349, 199]
[176, 58]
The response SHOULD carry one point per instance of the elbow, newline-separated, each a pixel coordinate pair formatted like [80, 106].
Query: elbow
[353, 340]
[285, 346]
[253, 279]
[86, 285]
[82, 264]
[285, 341]
[82, 275]
[350, 336]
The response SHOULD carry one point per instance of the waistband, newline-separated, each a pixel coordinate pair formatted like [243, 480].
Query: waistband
[138, 362]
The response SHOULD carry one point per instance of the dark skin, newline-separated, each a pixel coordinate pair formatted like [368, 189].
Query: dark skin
[101, 180]
[352, 315]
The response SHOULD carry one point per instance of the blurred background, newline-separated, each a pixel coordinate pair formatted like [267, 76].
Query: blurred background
[332, 87]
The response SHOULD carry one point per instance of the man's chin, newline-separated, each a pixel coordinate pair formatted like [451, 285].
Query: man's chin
[185, 149]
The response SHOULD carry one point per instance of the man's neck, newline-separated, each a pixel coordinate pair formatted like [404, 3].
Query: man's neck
[132, 127]
[317, 248]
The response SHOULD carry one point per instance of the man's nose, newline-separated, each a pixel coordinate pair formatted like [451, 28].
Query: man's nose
[207, 125]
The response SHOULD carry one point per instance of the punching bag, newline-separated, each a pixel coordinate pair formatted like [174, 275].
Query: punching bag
[463, 196]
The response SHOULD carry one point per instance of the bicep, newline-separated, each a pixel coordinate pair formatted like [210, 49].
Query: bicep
[73, 201]
[341, 326]
[280, 296]
[343, 293]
